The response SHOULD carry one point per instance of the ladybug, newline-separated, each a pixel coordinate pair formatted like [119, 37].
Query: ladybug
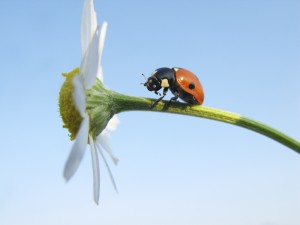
[182, 83]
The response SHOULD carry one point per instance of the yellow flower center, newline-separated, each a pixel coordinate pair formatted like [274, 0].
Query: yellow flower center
[69, 114]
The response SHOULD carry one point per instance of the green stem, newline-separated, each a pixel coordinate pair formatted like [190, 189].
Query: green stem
[129, 103]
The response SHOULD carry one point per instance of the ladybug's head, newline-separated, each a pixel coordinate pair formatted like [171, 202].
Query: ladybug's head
[153, 84]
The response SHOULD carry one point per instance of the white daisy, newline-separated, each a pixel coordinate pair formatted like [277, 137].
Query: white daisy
[76, 111]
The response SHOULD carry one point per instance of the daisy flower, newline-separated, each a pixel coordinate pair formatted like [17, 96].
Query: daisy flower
[87, 107]
[82, 102]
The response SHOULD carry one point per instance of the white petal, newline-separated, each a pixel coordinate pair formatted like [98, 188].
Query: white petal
[102, 37]
[90, 62]
[107, 166]
[102, 140]
[79, 94]
[77, 150]
[113, 123]
[88, 25]
[96, 174]
[100, 72]
[101, 45]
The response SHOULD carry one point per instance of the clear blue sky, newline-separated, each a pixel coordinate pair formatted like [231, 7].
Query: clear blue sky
[247, 55]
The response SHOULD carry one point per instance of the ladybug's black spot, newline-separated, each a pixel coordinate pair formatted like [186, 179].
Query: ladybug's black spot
[191, 85]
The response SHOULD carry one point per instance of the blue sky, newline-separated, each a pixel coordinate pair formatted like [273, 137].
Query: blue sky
[247, 56]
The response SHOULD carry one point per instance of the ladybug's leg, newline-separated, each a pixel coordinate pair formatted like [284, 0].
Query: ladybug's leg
[157, 93]
[173, 99]
[165, 91]
[158, 100]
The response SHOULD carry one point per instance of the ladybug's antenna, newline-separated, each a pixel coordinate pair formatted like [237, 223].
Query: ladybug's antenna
[145, 80]
[144, 76]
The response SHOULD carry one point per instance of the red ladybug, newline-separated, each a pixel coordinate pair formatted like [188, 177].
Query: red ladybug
[182, 83]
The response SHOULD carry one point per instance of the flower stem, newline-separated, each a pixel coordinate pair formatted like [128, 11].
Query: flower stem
[130, 103]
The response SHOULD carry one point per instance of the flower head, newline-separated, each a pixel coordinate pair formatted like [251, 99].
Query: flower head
[84, 101]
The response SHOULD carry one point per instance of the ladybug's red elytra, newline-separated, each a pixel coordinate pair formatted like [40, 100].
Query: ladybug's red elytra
[182, 83]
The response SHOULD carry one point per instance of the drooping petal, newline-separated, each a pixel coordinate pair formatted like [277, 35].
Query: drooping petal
[101, 45]
[102, 140]
[90, 62]
[78, 149]
[113, 123]
[88, 25]
[96, 173]
[107, 166]
[79, 94]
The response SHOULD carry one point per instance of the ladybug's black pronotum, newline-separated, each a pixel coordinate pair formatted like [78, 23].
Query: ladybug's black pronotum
[182, 83]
